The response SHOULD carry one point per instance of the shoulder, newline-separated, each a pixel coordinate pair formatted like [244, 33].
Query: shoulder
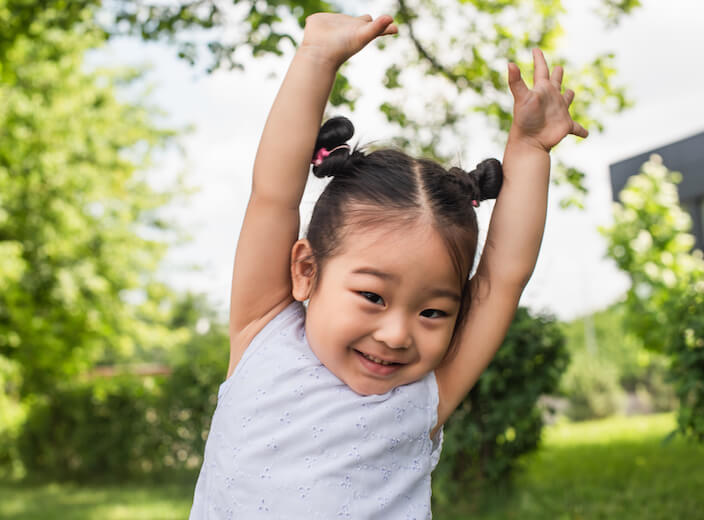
[288, 311]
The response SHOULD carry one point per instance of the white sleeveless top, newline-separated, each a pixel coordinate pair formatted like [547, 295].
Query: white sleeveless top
[289, 440]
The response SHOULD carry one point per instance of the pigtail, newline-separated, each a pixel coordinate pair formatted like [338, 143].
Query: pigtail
[490, 176]
[331, 151]
[482, 183]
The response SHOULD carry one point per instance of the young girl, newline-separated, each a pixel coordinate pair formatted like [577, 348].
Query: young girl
[336, 410]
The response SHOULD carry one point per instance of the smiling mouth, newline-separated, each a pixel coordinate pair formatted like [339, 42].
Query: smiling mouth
[376, 360]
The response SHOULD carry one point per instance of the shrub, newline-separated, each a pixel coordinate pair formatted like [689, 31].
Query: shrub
[499, 420]
[650, 242]
[12, 415]
[127, 425]
[100, 427]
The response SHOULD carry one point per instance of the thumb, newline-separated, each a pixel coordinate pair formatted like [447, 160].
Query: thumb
[381, 26]
[515, 82]
[578, 130]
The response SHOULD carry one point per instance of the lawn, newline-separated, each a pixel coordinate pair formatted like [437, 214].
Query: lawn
[89, 502]
[618, 468]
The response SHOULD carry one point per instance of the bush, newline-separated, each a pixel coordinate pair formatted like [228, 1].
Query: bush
[102, 427]
[12, 415]
[126, 426]
[650, 242]
[499, 420]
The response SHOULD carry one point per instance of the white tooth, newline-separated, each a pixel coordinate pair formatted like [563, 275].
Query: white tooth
[377, 360]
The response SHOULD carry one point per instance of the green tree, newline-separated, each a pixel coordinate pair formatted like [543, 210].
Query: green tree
[76, 210]
[449, 59]
[650, 241]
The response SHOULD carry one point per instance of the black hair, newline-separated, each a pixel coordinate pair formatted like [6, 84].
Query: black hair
[387, 185]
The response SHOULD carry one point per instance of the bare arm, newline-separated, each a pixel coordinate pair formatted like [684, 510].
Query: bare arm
[541, 120]
[261, 283]
[261, 277]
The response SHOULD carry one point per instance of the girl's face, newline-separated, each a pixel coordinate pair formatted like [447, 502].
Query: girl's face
[384, 309]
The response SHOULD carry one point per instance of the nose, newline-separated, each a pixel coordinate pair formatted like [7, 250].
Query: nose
[394, 330]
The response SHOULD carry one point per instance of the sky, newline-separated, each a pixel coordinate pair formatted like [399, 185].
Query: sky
[658, 56]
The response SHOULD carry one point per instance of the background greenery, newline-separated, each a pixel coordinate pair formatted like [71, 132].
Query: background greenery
[610, 370]
[650, 241]
[81, 238]
[496, 424]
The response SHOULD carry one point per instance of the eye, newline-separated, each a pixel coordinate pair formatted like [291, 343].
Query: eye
[372, 297]
[433, 313]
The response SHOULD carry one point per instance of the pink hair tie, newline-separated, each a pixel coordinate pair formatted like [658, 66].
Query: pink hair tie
[475, 203]
[324, 152]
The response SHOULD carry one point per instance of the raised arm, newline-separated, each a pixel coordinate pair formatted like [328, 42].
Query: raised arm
[261, 283]
[541, 120]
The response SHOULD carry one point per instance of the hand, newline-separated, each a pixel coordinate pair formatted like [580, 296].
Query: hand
[334, 38]
[541, 115]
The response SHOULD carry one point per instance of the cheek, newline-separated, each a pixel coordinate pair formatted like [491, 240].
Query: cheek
[332, 325]
[441, 353]
[440, 345]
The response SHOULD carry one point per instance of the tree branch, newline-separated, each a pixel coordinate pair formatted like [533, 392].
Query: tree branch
[437, 66]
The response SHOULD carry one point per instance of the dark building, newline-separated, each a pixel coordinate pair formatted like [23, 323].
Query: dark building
[685, 156]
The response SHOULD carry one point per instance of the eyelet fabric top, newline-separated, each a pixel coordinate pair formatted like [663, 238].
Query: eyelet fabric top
[290, 440]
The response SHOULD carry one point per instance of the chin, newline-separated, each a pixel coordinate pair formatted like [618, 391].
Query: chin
[370, 388]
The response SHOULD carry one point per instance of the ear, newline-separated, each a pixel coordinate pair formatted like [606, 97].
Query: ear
[303, 270]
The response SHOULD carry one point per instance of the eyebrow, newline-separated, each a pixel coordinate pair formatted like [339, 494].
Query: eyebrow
[439, 292]
[445, 293]
[377, 273]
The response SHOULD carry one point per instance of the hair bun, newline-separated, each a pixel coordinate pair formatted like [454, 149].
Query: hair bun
[484, 182]
[335, 132]
[489, 176]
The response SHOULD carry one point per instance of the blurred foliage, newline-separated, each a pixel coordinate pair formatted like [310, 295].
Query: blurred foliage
[607, 361]
[106, 426]
[12, 415]
[80, 231]
[650, 241]
[499, 420]
[128, 426]
[447, 65]
[592, 387]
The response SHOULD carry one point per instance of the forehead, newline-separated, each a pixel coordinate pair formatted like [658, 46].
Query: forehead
[413, 251]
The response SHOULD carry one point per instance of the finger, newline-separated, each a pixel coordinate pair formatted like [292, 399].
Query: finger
[391, 29]
[556, 76]
[515, 82]
[381, 26]
[579, 130]
[568, 96]
[365, 17]
[540, 66]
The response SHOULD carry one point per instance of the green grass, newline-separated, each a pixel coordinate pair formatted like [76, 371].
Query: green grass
[24, 501]
[618, 468]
